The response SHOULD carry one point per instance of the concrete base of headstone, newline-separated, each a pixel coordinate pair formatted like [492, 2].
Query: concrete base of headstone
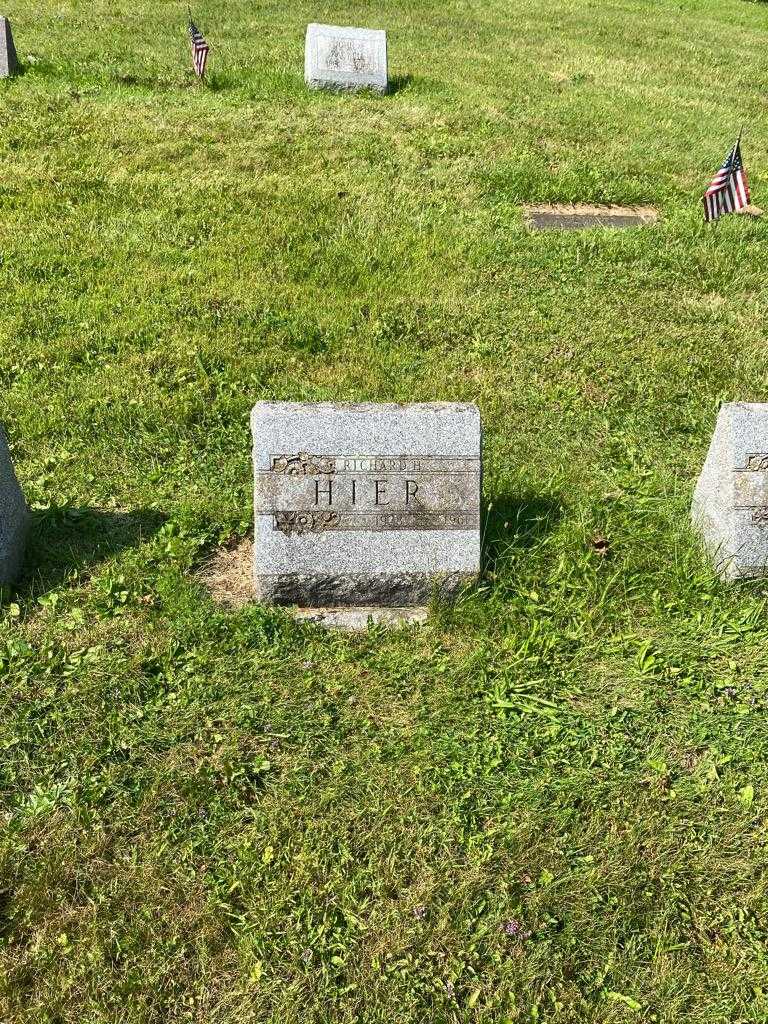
[730, 503]
[365, 505]
[14, 518]
[9, 62]
[345, 58]
[355, 620]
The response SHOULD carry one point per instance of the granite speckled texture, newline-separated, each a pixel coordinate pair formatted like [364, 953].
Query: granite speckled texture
[365, 505]
[730, 503]
[347, 58]
[14, 517]
[9, 62]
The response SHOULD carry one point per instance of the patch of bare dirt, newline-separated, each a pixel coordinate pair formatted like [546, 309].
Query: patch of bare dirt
[227, 574]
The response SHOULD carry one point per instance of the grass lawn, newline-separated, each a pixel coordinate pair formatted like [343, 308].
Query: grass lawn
[549, 804]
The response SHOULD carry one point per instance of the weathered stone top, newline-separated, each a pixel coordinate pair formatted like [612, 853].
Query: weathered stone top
[367, 428]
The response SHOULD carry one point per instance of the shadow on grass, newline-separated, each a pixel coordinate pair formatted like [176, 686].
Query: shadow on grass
[64, 540]
[516, 523]
[220, 81]
[36, 66]
[399, 83]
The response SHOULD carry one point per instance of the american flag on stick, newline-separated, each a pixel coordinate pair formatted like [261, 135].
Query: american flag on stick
[728, 190]
[200, 49]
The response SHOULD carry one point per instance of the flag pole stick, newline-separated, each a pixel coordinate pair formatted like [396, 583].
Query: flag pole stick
[189, 25]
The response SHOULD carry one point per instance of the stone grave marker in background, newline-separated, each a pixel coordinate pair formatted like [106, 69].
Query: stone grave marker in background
[13, 517]
[345, 58]
[730, 503]
[9, 62]
[365, 506]
[565, 217]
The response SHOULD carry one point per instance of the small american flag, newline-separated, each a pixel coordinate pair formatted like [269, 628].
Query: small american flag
[200, 49]
[728, 190]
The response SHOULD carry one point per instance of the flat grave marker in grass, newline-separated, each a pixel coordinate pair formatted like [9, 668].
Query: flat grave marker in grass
[365, 505]
[560, 217]
[9, 62]
[730, 503]
[345, 58]
[13, 517]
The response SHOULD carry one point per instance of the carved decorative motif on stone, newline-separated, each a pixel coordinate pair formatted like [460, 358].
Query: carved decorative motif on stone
[303, 464]
[300, 523]
[760, 517]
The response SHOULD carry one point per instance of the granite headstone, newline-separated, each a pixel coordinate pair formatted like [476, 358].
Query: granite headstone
[13, 517]
[730, 503]
[9, 62]
[365, 505]
[345, 58]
